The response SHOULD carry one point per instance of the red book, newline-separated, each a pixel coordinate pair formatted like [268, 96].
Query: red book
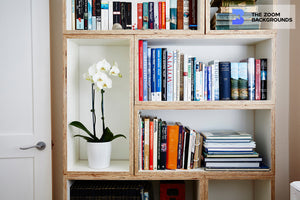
[151, 129]
[172, 146]
[163, 15]
[140, 70]
[159, 15]
[257, 79]
[140, 16]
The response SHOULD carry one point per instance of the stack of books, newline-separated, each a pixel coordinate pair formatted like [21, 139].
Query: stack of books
[234, 15]
[170, 75]
[168, 146]
[230, 150]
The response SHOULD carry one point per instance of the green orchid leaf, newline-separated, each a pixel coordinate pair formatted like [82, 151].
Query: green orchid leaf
[79, 125]
[107, 136]
[119, 135]
[88, 139]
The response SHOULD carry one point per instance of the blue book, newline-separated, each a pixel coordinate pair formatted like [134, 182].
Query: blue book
[79, 14]
[158, 73]
[225, 89]
[153, 75]
[209, 83]
[145, 15]
[145, 70]
[151, 15]
[205, 81]
[173, 14]
[90, 22]
[149, 74]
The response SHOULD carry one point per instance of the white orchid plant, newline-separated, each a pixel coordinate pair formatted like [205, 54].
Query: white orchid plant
[98, 76]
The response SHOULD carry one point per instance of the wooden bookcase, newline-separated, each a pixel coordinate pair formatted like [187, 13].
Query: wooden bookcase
[83, 48]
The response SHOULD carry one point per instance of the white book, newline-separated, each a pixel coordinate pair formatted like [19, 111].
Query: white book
[185, 78]
[168, 20]
[155, 123]
[94, 23]
[251, 144]
[140, 142]
[215, 78]
[212, 82]
[104, 15]
[191, 147]
[198, 81]
[232, 164]
[170, 77]
[189, 79]
[156, 22]
[110, 15]
[204, 82]
[178, 77]
[175, 75]
[186, 14]
[134, 15]
[201, 81]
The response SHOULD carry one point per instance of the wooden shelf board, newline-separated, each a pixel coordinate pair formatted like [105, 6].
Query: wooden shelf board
[203, 105]
[115, 166]
[241, 32]
[133, 32]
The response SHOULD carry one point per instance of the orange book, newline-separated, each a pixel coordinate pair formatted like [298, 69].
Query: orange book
[163, 15]
[172, 146]
[151, 128]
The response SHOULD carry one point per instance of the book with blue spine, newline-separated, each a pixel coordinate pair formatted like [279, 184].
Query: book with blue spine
[164, 74]
[153, 75]
[197, 82]
[149, 74]
[145, 15]
[215, 70]
[225, 91]
[209, 83]
[243, 81]
[173, 14]
[90, 22]
[205, 81]
[103, 23]
[151, 15]
[234, 81]
[170, 77]
[158, 74]
[145, 70]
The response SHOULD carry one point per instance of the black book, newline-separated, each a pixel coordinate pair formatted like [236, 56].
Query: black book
[79, 14]
[97, 9]
[163, 149]
[123, 14]
[116, 12]
[193, 14]
[164, 74]
[151, 15]
[193, 66]
[158, 143]
[85, 15]
[224, 80]
[186, 147]
[264, 71]
[128, 15]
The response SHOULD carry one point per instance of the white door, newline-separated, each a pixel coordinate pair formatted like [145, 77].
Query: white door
[24, 100]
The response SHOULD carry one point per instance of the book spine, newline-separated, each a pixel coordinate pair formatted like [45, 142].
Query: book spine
[183, 149]
[153, 75]
[181, 84]
[197, 151]
[103, 23]
[234, 81]
[151, 144]
[141, 70]
[186, 149]
[192, 144]
[224, 80]
[243, 81]
[73, 15]
[145, 15]
[168, 14]
[179, 148]
[205, 81]
[159, 143]
[110, 15]
[251, 78]
[192, 78]
[146, 144]
[140, 16]
[216, 80]
[201, 81]
[163, 15]
[209, 83]
[173, 14]
[149, 74]
[140, 142]
[189, 79]
[164, 74]
[264, 68]
[155, 133]
[151, 15]
[170, 77]
[128, 17]
[174, 75]
[134, 17]
[145, 70]
[163, 149]
[90, 22]
[212, 82]
[158, 74]
[156, 21]
[178, 76]
[257, 79]
[185, 14]
[172, 146]
[79, 15]
[85, 14]
[123, 14]
[116, 12]
[159, 15]
[185, 78]
[94, 23]
[179, 14]
[193, 14]
[197, 82]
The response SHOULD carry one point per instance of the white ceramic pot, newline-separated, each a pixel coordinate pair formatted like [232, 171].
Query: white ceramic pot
[99, 154]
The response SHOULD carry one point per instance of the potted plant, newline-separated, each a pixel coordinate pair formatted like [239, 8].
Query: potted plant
[99, 148]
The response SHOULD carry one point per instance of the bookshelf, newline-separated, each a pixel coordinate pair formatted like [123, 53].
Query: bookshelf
[83, 48]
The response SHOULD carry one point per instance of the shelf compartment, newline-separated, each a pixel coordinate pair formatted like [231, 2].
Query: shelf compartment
[80, 53]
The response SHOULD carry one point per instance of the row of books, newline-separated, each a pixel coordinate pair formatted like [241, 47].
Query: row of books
[111, 15]
[165, 146]
[173, 76]
[230, 150]
[227, 17]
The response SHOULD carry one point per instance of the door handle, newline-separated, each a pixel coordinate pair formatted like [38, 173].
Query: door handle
[39, 146]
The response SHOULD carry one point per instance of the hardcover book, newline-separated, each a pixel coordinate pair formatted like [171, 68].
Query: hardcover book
[257, 79]
[149, 74]
[193, 14]
[151, 15]
[159, 130]
[123, 14]
[170, 83]
[186, 6]
[186, 147]
[264, 67]
[173, 14]
[79, 14]
[146, 143]
[251, 78]
[179, 14]
[225, 91]
[163, 149]
[234, 81]
[172, 146]
[128, 11]
[215, 79]
[243, 81]
[163, 15]
[116, 12]
[85, 14]
[97, 9]
[180, 145]
[103, 22]
[145, 70]
[164, 74]
[140, 16]
[145, 15]
[220, 135]
[155, 133]
[90, 15]
[158, 76]
[153, 74]
[141, 62]
[151, 143]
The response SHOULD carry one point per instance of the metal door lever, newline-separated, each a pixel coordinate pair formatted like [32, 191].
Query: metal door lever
[39, 146]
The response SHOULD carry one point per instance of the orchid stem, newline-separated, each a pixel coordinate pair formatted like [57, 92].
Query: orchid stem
[102, 110]
[93, 110]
